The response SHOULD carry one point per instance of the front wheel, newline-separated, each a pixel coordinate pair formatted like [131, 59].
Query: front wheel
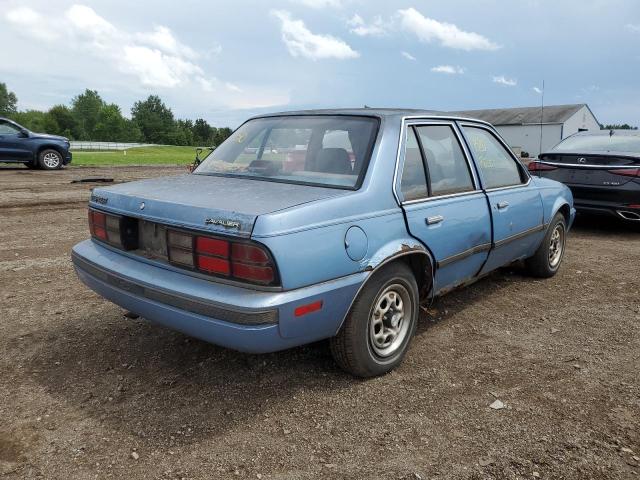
[378, 329]
[50, 159]
[545, 263]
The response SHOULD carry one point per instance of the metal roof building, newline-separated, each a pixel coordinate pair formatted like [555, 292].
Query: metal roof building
[522, 127]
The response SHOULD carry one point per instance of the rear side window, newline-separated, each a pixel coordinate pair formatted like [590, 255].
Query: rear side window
[414, 182]
[499, 169]
[446, 164]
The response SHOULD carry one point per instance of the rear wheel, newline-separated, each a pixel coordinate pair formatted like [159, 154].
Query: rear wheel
[546, 261]
[378, 329]
[50, 159]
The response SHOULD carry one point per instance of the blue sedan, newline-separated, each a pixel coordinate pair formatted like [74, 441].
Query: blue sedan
[329, 224]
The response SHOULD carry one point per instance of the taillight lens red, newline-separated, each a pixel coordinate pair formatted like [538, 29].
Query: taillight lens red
[119, 231]
[98, 225]
[627, 172]
[536, 166]
[242, 261]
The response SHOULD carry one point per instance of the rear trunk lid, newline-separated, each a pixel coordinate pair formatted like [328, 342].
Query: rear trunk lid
[589, 168]
[220, 205]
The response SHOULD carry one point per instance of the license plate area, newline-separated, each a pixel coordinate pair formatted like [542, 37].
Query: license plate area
[152, 240]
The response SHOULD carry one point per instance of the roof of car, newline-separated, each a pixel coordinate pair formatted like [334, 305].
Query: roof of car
[375, 112]
[607, 132]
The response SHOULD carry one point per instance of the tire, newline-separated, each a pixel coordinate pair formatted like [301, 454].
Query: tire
[50, 159]
[370, 344]
[546, 262]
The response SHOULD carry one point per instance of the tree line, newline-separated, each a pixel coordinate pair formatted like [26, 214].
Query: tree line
[89, 117]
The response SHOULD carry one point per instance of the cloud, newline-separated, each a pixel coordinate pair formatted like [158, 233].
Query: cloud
[537, 90]
[449, 35]
[635, 28]
[233, 87]
[163, 39]
[30, 21]
[408, 56]
[377, 28]
[320, 3]
[448, 69]
[502, 80]
[156, 58]
[301, 42]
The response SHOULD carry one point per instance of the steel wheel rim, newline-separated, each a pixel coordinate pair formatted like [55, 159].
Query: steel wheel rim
[390, 320]
[556, 246]
[51, 160]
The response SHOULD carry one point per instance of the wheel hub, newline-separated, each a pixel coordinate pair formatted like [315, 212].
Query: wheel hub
[389, 321]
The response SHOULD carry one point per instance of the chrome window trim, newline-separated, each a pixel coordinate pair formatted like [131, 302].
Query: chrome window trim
[510, 154]
[417, 121]
[509, 187]
[439, 197]
[582, 165]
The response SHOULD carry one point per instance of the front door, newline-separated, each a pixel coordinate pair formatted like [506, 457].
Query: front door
[12, 143]
[516, 205]
[443, 203]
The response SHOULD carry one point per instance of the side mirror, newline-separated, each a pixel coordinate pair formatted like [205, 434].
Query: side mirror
[24, 133]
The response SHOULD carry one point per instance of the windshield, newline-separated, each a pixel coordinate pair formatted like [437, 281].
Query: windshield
[601, 143]
[319, 150]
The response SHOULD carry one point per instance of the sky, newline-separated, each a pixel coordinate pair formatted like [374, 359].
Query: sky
[228, 60]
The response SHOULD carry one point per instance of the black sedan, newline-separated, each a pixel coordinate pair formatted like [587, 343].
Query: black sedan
[602, 169]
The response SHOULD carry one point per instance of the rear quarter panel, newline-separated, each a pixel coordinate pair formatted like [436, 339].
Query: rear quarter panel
[554, 195]
[308, 241]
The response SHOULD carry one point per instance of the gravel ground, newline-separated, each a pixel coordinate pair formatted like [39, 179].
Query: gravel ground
[86, 393]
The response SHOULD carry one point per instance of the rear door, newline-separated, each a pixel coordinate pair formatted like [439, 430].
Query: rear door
[13, 146]
[516, 205]
[442, 201]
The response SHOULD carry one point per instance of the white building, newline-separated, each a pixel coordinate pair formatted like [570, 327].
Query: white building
[521, 127]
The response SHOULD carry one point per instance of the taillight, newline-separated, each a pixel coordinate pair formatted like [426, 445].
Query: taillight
[536, 166]
[627, 172]
[121, 232]
[246, 262]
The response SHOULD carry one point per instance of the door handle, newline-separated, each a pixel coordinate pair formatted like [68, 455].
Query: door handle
[435, 219]
[502, 205]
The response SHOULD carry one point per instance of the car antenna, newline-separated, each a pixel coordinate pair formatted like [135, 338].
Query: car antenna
[541, 118]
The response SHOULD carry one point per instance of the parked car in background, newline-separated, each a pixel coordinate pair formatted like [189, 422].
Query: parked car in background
[323, 224]
[36, 150]
[602, 169]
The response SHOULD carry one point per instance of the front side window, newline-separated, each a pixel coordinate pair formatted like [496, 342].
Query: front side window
[446, 164]
[499, 169]
[8, 129]
[318, 150]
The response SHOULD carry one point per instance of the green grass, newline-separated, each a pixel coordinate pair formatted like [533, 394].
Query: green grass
[136, 156]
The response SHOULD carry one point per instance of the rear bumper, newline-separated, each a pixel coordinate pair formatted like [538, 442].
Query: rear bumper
[235, 317]
[613, 201]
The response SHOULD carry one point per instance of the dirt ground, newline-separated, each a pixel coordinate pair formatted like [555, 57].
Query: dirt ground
[86, 393]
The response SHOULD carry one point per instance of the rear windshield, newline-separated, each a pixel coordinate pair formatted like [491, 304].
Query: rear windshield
[601, 143]
[318, 150]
